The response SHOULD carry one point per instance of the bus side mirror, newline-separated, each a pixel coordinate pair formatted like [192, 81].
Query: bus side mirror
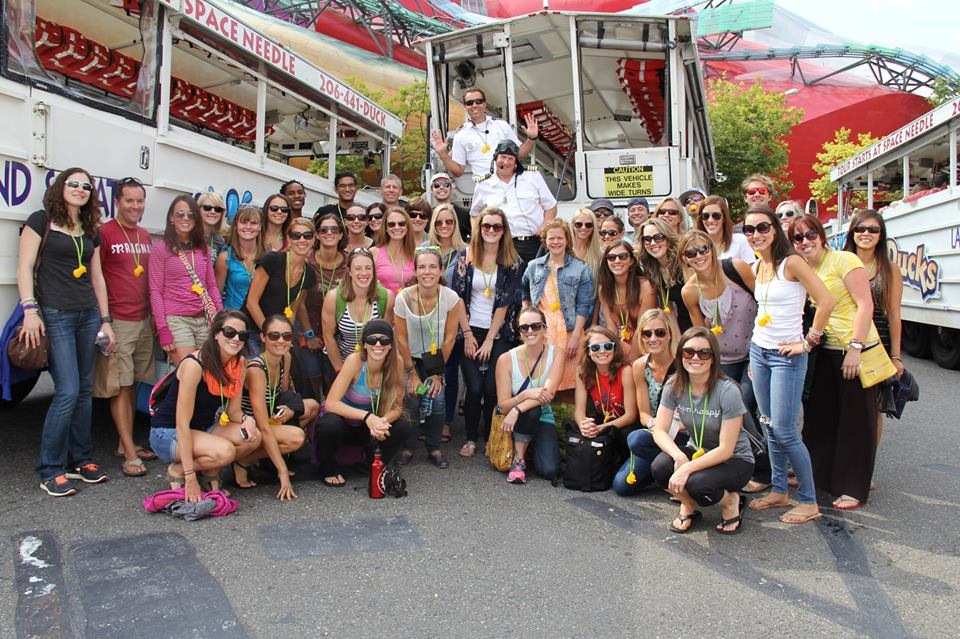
[813, 208]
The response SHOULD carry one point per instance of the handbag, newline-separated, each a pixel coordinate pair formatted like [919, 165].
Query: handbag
[433, 364]
[589, 465]
[209, 308]
[499, 444]
[875, 366]
[26, 357]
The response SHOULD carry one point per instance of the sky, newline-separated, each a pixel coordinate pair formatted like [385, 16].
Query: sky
[916, 25]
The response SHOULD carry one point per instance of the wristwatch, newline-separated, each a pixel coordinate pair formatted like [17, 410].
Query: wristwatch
[856, 345]
[106, 319]
[310, 334]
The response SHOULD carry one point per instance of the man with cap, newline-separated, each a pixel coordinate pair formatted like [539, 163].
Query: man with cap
[602, 208]
[691, 200]
[522, 195]
[638, 210]
[475, 140]
[441, 187]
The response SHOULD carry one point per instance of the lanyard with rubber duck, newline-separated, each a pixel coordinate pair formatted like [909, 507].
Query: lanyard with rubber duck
[698, 437]
[288, 309]
[134, 249]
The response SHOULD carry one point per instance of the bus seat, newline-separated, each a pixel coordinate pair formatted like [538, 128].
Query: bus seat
[47, 37]
[72, 50]
[120, 76]
[90, 69]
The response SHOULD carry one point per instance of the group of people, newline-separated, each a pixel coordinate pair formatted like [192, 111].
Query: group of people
[667, 332]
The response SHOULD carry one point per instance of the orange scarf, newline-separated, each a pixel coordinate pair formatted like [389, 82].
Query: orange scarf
[232, 388]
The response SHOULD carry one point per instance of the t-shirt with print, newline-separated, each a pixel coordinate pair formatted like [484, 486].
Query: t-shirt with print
[121, 249]
[723, 402]
[56, 286]
[424, 329]
[275, 295]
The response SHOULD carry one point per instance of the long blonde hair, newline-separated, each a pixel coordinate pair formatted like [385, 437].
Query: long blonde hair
[593, 255]
[456, 240]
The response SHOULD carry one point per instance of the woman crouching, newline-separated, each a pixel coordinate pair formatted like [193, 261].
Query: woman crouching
[717, 461]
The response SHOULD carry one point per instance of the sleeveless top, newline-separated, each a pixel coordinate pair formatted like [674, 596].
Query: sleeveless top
[736, 311]
[205, 406]
[655, 388]
[389, 276]
[258, 362]
[359, 395]
[237, 283]
[780, 302]
[611, 400]
[517, 378]
[347, 329]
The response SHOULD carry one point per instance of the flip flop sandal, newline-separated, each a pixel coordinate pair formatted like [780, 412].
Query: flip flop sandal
[143, 453]
[846, 503]
[738, 520]
[468, 450]
[693, 518]
[133, 468]
[333, 484]
[763, 503]
[801, 519]
[754, 487]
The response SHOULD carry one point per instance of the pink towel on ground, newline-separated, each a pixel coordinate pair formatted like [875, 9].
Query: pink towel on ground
[158, 501]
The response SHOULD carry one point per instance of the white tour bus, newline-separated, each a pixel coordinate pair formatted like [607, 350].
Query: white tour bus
[619, 100]
[911, 177]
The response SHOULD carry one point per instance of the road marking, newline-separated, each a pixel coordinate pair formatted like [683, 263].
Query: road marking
[944, 468]
[339, 537]
[41, 596]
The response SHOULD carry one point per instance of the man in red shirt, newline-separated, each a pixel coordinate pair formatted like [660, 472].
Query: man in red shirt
[124, 257]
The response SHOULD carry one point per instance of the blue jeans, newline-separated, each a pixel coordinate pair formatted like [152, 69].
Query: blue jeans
[644, 451]
[778, 385]
[541, 437]
[66, 440]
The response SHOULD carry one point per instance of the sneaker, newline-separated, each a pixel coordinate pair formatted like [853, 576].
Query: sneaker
[518, 472]
[89, 473]
[59, 486]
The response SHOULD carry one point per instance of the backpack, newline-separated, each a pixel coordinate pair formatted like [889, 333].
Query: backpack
[342, 304]
[159, 391]
[590, 464]
[733, 274]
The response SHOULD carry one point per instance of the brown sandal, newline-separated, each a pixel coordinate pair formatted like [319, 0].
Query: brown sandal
[468, 450]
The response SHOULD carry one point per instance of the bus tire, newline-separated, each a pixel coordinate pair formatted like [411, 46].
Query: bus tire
[915, 339]
[945, 345]
[18, 392]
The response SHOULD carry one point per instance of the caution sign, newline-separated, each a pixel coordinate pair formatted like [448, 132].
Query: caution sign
[628, 181]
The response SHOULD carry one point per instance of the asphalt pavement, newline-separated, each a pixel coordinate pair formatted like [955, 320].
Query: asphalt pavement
[467, 555]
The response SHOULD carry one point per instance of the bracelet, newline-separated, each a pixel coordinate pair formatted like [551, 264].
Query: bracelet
[28, 300]
[517, 407]
[188, 472]
[896, 358]
[806, 346]
[32, 311]
[815, 332]
[364, 420]
[106, 319]
[467, 332]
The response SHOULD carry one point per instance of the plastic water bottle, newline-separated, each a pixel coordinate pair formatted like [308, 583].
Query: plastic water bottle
[426, 400]
[103, 342]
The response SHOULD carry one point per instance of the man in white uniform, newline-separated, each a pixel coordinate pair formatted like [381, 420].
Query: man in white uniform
[475, 140]
[523, 196]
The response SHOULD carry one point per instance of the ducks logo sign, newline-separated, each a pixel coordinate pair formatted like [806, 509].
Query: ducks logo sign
[918, 271]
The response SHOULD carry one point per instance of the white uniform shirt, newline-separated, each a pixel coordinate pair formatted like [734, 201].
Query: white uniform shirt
[473, 144]
[523, 199]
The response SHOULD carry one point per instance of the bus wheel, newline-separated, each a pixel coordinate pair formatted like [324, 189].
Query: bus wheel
[915, 340]
[945, 344]
[19, 392]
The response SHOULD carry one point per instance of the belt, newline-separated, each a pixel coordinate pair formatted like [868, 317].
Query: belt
[526, 238]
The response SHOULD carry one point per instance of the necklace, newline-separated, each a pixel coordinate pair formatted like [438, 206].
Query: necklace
[698, 438]
[397, 265]
[606, 400]
[134, 248]
[78, 244]
[424, 313]
[288, 310]
[764, 319]
[358, 326]
[273, 388]
[625, 332]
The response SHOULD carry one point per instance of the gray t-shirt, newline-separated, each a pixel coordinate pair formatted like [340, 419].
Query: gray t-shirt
[722, 402]
[422, 330]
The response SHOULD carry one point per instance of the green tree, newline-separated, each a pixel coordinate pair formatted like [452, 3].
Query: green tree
[943, 91]
[749, 126]
[410, 104]
[835, 151]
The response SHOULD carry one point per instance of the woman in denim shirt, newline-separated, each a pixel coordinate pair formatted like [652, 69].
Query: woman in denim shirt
[562, 287]
[487, 277]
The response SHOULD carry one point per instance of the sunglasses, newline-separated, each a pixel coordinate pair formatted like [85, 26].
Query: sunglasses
[328, 230]
[760, 190]
[787, 213]
[397, 224]
[230, 333]
[669, 212]
[716, 215]
[77, 184]
[473, 102]
[183, 215]
[361, 250]
[873, 230]
[376, 216]
[603, 213]
[692, 252]
[618, 257]
[798, 238]
[444, 223]
[129, 180]
[704, 354]
[373, 340]
[301, 235]
[647, 333]
[442, 185]
[762, 228]
[609, 233]
[218, 209]
[495, 228]
[654, 239]
[283, 209]
[596, 348]
[353, 217]
[583, 225]
[418, 215]
[530, 328]
[276, 336]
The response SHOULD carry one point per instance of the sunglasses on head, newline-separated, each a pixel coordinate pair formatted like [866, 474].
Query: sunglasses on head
[283, 209]
[442, 185]
[618, 257]
[609, 233]
[798, 238]
[654, 239]
[530, 328]
[716, 215]
[762, 228]
[376, 216]
[396, 224]
[419, 215]
[353, 217]
[647, 333]
[786, 213]
[373, 340]
[760, 190]
[694, 251]
[77, 184]
[669, 212]
[275, 336]
[230, 333]
[873, 230]
[705, 354]
[128, 181]
[495, 228]
[583, 225]
[603, 346]
[328, 230]
[301, 235]
[218, 209]
[183, 215]
[473, 102]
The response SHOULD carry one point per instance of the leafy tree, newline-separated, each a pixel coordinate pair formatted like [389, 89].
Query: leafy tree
[410, 104]
[943, 91]
[749, 126]
[835, 151]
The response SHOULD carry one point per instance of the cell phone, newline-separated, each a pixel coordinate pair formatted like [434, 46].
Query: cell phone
[244, 434]
[279, 412]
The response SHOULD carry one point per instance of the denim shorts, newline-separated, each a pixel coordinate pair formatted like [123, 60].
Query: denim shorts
[163, 441]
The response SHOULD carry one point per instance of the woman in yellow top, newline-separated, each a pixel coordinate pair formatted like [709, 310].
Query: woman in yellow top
[840, 416]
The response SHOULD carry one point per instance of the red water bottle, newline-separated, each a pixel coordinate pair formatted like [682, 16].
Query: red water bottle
[375, 489]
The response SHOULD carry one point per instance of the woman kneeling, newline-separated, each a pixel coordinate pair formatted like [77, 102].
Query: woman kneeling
[198, 425]
[720, 461]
